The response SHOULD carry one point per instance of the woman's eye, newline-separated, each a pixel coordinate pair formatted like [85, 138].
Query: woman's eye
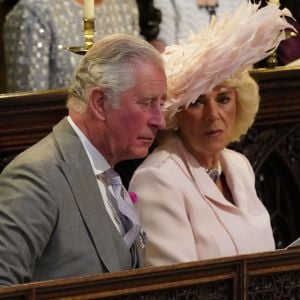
[223, 99]
[197, 103]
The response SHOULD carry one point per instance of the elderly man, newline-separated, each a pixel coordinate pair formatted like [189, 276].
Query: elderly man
[60, 214]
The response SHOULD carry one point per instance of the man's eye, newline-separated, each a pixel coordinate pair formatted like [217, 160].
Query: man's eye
[152, 104]
[144, 103]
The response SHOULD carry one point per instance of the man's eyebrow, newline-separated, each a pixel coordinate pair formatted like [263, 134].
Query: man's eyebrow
[154, 97]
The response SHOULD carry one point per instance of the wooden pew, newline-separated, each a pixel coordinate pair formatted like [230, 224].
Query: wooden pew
[27, 117]
[272, 144]
[270, 275]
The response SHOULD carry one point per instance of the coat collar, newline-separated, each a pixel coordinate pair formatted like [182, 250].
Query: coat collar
[203, 182]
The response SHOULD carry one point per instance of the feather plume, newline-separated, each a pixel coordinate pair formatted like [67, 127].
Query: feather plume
[229, 45]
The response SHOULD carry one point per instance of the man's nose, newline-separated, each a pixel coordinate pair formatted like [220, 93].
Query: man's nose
[157, 118]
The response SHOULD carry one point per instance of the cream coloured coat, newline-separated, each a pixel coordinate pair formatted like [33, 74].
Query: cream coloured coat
[185, 215]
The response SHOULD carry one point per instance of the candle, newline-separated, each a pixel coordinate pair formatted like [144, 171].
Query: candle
[88, 9]
[276, 2]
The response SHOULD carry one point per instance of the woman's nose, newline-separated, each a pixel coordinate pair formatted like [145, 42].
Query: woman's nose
[212, 110]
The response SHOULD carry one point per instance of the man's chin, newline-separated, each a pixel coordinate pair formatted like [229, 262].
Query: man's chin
[139, 153]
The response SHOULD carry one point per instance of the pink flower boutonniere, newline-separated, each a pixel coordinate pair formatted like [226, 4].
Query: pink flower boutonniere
[134, 197]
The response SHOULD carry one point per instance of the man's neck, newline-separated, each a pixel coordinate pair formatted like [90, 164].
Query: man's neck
[92, 133]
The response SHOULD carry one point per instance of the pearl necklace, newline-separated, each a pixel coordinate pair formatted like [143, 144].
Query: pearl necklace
[214, 173]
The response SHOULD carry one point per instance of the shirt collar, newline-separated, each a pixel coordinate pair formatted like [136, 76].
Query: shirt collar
[97, 160]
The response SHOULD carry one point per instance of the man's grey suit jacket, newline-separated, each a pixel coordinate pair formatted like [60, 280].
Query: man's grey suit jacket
[53, 222]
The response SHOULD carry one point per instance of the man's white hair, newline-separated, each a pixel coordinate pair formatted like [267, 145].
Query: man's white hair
[110, 64]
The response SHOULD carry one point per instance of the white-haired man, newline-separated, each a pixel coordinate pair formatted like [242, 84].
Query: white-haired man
[59, 216]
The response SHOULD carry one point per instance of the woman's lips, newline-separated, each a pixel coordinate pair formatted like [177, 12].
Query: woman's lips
[214, 132]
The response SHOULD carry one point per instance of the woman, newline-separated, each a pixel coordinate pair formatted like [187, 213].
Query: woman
[197, 199]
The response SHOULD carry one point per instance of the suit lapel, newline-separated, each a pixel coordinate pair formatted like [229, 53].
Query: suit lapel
[207, 187]
[236, 170]
[78, 171]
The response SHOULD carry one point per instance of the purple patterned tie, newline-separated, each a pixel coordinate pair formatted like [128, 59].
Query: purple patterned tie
[127, 212]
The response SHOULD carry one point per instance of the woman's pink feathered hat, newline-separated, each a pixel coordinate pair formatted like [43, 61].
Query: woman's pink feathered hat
[228, 46]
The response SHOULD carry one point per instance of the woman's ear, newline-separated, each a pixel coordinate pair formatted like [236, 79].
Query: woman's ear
[96, 100]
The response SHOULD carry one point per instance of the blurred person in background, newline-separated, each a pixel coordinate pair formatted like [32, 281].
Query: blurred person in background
[289, 49]
[36, 33]
[181, 17]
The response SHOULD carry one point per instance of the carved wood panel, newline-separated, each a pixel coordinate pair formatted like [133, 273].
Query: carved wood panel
[275, 156]
[223, 290]
[283, 286]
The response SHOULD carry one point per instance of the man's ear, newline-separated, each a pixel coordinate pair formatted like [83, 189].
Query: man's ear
[96, 99]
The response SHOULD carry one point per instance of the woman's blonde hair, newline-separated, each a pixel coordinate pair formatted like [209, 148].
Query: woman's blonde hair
[248, 98]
